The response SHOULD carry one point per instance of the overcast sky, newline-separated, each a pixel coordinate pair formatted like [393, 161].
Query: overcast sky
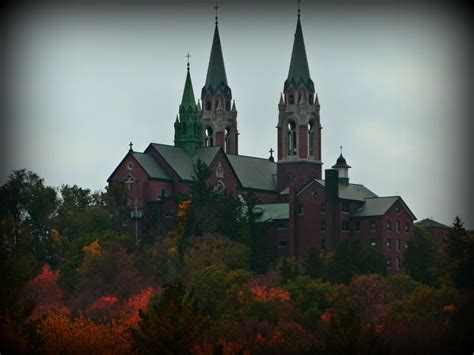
[394, 84]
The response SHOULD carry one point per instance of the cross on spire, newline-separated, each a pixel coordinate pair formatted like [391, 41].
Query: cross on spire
[340, 149]
[299, 11]
[216, 8]
[131, 146]
[188, 56]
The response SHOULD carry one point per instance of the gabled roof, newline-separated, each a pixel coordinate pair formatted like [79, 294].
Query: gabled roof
[255, 173]
[151, 166]
[429, 223]
[354, 192]
[274, 211]
[376, 206]
[177, 158]
[206, 154]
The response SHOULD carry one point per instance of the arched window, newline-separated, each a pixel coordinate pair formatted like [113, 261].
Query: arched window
[208, 105]
[311, 138]
[227, 105]
[291, 138]
[291, 99]
[227, 141]
[310, 99]
[209, 139]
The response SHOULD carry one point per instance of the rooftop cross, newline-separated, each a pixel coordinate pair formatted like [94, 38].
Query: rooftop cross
[217, 8]
[188, 56]
[340, 149]
[271, 155]
[131, 146]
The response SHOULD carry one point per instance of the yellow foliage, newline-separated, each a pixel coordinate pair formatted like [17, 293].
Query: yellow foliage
[92, 249]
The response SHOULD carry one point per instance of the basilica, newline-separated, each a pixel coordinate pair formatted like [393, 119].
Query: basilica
[302, 209]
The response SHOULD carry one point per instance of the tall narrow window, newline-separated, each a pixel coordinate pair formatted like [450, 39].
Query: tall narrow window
[227, 105]
[311, 138]
[291, 99]
[397, 226]
[209, 139]
[208, 105]
[399, 264]
[291, 138]
[227, 141]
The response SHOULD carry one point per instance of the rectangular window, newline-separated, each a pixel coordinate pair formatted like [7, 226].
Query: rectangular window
[162, 193]
[372, 242]
[389, 225]
[372, 225]
[407, 227]
[389, 262]
[399, 266]
[323, 244]
[345, 207]
[300, 208]
[323, 207]
[323, 226]
[283, 244]
[357, 226]
[345, 226]
[397, 226]
[389, 244]
[398, 244]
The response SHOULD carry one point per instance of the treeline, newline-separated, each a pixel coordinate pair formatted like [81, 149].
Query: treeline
[74, 281]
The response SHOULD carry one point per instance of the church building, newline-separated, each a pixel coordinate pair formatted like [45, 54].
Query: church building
[300, 208]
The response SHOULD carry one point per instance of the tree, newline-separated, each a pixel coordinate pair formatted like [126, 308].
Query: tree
[287, 269]
[172, 324]
[460, 247]
[313, 264]
[420, 257]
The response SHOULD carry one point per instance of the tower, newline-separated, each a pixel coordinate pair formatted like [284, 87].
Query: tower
[187, 127]
[218, 115]
[299, 128]
[343, 168]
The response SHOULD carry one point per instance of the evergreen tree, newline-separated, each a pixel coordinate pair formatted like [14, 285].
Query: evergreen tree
[420, 257]
[461, 255]
[172, 324]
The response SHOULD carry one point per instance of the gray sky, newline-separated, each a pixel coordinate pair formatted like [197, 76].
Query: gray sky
[394, 83]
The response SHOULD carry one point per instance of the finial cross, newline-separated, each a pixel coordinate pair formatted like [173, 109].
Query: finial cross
[131, 146]
[340, 149]
[271, 152]
[188, 56]
[299, 8]
[216, 8]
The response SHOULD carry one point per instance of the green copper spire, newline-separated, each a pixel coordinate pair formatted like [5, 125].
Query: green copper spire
[188, 128]
[299, 69]
[188, 102]
[216, 79]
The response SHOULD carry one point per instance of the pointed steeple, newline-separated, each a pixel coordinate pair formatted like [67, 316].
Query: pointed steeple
[299, 69]
[187, 129]
[216, 79]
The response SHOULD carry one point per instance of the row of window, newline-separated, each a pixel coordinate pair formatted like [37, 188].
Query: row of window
[397, 244]
[398, 262]
[292, 141]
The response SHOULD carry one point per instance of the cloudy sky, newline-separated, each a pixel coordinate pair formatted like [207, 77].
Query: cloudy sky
[394, 83]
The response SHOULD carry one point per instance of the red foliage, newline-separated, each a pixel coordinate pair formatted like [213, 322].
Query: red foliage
[265, 294]
[47, 294]
[135, 304]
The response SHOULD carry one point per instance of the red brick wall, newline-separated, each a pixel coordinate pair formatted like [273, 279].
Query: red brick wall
[303, 172]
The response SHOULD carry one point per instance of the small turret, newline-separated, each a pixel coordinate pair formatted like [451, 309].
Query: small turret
[343, 168]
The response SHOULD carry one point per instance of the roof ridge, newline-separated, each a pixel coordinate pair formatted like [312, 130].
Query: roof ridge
[248, 156]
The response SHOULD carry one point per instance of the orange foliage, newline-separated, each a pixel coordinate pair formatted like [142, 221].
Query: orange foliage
[81, 336]
[47, 294]
[327, 316]
[135, 304]
[265, 294]
[92, 249]
[183, 207]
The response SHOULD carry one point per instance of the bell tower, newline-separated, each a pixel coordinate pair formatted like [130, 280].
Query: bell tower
[218, 113]
[299, 127]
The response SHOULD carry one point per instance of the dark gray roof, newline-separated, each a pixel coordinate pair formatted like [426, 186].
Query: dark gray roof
[151, 166]
[429, 223]
[355, 192]
[255, 173]
[273, 211]
[177, 158]
[216, 79]
[206, 154]
[376, 206]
